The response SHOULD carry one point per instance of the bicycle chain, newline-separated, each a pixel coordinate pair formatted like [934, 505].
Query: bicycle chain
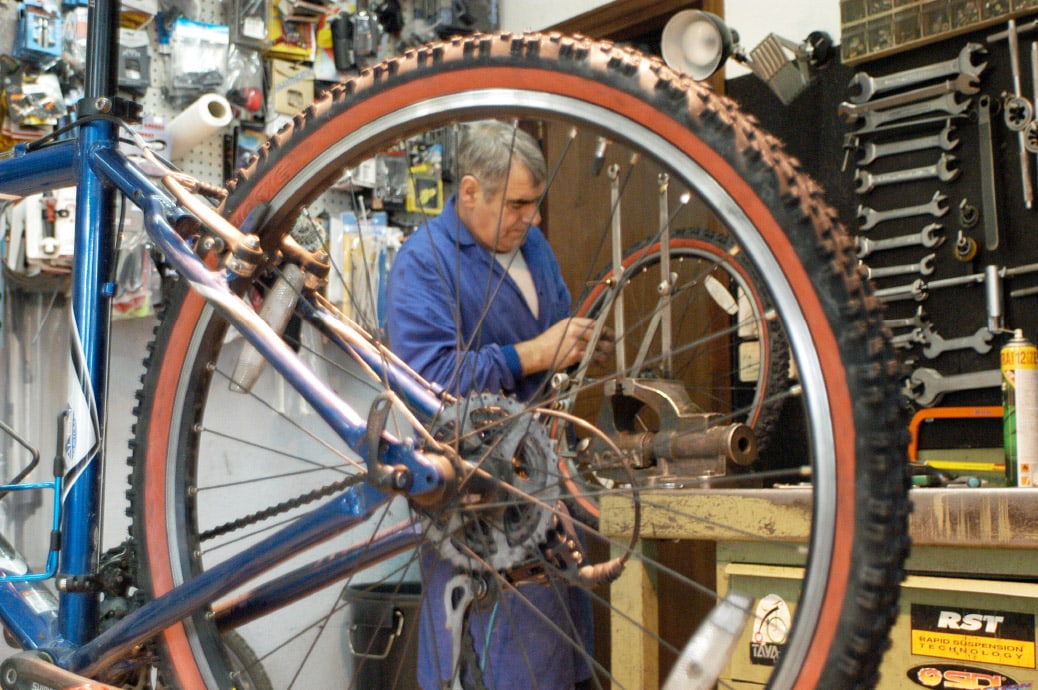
[283, 507]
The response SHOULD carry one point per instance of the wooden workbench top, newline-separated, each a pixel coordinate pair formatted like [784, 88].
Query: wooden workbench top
[962, 517]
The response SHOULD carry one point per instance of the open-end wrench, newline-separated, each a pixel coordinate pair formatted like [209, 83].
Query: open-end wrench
[966, 84]
[948, 103]
[928, 237]
[871, 217]
[917, 320]
[935, 344]
[865, 87]
[923, 267]
[941, 140]
[926, 386]
[942, 170]
[988, 181]
[1031, 136]
[908, 339]
[916, 290]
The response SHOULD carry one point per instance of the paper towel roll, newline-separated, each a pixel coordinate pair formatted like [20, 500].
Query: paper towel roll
[200, 120]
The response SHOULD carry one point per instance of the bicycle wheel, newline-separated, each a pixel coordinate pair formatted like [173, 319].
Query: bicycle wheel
[710, 291]
[203, 451]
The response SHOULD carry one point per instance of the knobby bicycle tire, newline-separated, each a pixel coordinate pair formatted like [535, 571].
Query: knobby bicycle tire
[781, 225]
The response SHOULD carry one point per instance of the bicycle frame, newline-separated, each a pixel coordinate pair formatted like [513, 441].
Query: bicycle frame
[93, 163]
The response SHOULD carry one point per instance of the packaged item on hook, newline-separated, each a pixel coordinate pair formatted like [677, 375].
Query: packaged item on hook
[198, 60]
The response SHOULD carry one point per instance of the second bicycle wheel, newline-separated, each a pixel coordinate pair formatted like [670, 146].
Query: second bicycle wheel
[716, 309]
[215, 468]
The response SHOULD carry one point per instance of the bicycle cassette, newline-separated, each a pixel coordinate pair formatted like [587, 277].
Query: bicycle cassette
[508, 483]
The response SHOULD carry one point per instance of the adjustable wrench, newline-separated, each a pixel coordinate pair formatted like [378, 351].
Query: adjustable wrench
[924, 267]
[966, 84]
[935, 344]
[928, 237]
[942, 170]
[867, 86]
[948, 103]
[872, 217]
[926, 386]
[942, 140]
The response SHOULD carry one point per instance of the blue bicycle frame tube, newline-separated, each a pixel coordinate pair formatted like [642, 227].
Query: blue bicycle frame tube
[213, 286]
[418, 395]
[301, 582]
[322, 523]
[91, 309]
[23, 172]
[93, 163]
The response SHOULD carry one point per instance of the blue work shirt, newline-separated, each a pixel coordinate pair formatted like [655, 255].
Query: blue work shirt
[437, 317]
[436, 299]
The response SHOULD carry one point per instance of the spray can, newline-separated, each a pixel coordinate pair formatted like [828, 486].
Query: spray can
[1020, 410]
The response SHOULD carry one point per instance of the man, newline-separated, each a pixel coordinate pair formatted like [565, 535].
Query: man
[476, 302]
[475, 299]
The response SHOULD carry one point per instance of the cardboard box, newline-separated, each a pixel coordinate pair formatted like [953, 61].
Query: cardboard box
[136, 14]
[291, 86]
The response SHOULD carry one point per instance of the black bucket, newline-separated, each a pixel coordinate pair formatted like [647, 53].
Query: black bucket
[382, 634]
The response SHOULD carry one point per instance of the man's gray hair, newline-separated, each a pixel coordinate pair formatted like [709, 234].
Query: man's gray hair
[488, 149]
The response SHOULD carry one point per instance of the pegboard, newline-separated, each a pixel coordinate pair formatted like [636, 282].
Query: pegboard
[206, 162]
[423, 20]
[815, 133]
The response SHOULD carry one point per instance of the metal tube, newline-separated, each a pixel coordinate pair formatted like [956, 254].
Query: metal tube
[91, 311]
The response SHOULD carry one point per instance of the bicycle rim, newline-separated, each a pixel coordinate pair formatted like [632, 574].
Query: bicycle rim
[771, 216]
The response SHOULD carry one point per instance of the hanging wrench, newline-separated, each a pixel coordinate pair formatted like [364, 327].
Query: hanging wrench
[872, 217]
[917, 320]
[867, 86]
[916, 290]
[942, 170]
[926, 386]
[942, 140]
[924, 267]
[948, 103]
[928, 237]
[905, 341]
[988, 181]
[935, 344]
[966, 84]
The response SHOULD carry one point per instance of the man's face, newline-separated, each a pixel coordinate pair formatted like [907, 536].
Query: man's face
[499, 222]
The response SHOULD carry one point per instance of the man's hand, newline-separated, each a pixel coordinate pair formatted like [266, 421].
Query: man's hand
[562, 345]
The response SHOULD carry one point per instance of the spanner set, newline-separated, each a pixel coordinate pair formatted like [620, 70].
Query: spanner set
[905, 138]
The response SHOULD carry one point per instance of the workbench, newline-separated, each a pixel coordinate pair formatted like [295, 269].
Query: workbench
[968, 605]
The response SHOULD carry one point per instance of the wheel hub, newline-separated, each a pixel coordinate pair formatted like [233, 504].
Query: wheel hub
[505, 506]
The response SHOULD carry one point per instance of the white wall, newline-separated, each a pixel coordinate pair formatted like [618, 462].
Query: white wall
[752, 19]
[523, 15]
